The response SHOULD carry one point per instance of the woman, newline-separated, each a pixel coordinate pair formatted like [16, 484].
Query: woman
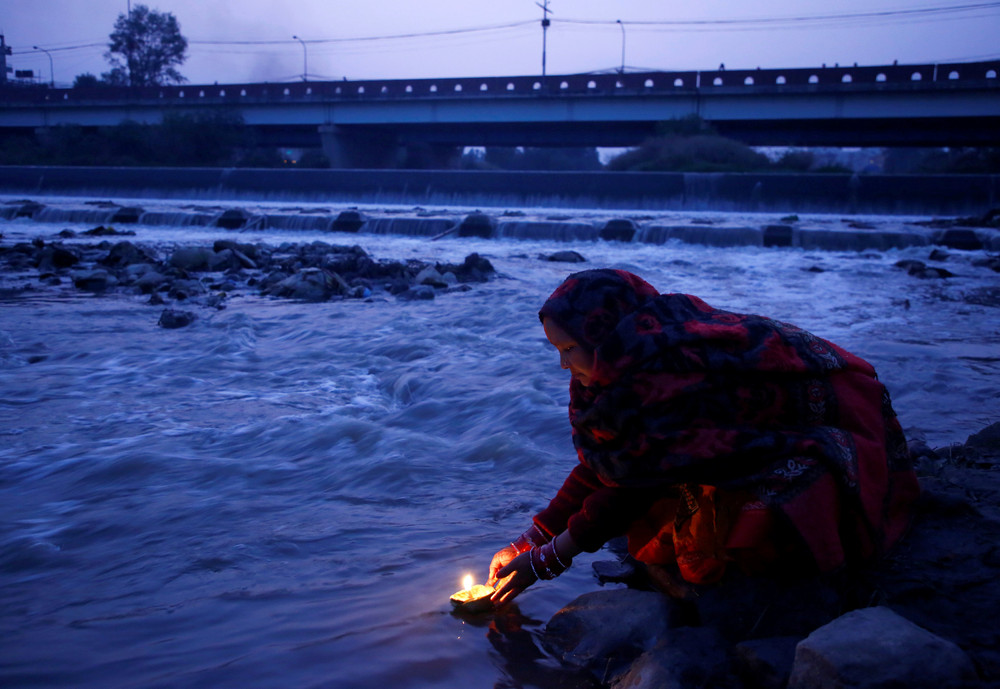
[712, 439]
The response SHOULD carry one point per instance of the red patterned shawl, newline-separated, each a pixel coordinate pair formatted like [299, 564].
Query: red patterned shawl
[685, 393]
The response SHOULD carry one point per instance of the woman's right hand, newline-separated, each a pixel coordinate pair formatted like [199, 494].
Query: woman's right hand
[503, 558]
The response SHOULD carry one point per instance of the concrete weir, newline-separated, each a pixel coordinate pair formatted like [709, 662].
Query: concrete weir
[967, 195]
[818, 233]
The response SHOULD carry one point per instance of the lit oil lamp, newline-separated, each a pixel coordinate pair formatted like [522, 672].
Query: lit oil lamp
[472, 597]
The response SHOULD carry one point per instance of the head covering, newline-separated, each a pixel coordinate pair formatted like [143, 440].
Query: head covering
[588, 305]
[686, 393]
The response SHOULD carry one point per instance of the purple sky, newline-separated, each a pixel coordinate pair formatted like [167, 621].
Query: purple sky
[359, 39]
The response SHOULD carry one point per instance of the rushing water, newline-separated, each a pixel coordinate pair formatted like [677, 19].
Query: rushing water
[286, 494]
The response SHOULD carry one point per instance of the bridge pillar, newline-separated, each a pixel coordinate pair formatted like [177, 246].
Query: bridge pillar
[359, 149]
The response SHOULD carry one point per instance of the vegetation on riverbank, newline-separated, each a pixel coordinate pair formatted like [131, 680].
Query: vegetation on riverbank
[221, 139]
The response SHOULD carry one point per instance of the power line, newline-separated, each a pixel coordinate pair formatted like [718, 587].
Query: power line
[925, 11]
[389, 37]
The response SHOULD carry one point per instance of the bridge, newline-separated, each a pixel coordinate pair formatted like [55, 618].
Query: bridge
[358, 122]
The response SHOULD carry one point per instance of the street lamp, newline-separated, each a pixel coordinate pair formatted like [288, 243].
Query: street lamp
[621, 24]
[52, 77]
[305, 59]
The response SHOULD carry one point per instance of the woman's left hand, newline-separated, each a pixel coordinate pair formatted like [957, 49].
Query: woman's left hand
[514, 578]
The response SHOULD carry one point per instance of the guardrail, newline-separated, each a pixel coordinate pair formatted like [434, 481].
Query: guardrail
[493, 87]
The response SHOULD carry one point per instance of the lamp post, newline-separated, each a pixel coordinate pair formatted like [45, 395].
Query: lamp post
[305, 59]
[621, 24]
[52, 77]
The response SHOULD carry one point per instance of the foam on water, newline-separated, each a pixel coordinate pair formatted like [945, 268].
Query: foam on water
[287, 494]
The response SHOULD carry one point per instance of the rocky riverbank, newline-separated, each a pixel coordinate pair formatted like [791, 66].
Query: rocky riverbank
[926, 616]
[185, 278]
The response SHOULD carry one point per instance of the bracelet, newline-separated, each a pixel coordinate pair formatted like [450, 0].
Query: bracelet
[531, 562]
[555, 551]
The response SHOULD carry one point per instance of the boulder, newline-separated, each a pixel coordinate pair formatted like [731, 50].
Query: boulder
[96, 280]
[126, 253]
[127, 214]
[232, 219]
[102, 231]
[55, 257]
[150, 281]
[618, 230]
[348, 221]
[689, 658]
[874, 648]
[430, 276]
[417, 293]
[565, 257]
[778, 235]
[765, 663]
[959, 238]
[172, 319]
[191, 258]
[477, 225]
[607, 626]
[185, 289]
[309, 284]
[474, 268]
[986, 441]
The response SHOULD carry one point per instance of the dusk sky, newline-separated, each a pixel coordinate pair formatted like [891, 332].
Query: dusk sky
[234, 41]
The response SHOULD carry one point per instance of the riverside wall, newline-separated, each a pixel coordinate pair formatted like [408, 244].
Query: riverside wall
[747, 192]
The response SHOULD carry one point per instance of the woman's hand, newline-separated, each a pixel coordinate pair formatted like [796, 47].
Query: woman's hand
[513, 578]
[499, 561]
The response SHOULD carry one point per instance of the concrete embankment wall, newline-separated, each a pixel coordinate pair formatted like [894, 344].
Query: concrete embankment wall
[817, 193]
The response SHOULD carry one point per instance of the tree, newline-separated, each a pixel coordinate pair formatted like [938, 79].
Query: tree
[145, 49]
[86, 81]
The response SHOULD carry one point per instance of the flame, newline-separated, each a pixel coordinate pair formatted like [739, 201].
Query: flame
[467, 582]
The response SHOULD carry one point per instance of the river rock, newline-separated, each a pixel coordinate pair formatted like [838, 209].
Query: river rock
[564, 257]
[477, 225]
[102, 231]
[618, 230]
[127, 214]
[232, 219]
[430, 276]
[959, 238]
[874, 648]
[191, 258]
[474, 268]
[604, 627]
[309, 284]
[417, 293]
[126, 253]
[251, 251]
[765, 663]
[986, 442]
[348, 221]
[55, 257]
[172, 319]
[778, 235]
[96, 280]
[688, 658]
[185, 289]
[150, 280]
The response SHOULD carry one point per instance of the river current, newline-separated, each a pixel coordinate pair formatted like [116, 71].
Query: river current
[286, 494]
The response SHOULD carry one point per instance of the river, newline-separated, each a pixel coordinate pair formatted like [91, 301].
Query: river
[286, 494]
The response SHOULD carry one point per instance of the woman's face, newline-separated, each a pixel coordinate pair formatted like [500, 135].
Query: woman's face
[578, 359]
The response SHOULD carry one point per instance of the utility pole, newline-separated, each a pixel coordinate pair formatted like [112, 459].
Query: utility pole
[5, 50]
[545, 28]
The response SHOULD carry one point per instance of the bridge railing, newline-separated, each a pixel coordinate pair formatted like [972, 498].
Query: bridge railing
[521, 86]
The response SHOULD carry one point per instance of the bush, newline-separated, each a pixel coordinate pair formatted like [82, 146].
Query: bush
[699, 153]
